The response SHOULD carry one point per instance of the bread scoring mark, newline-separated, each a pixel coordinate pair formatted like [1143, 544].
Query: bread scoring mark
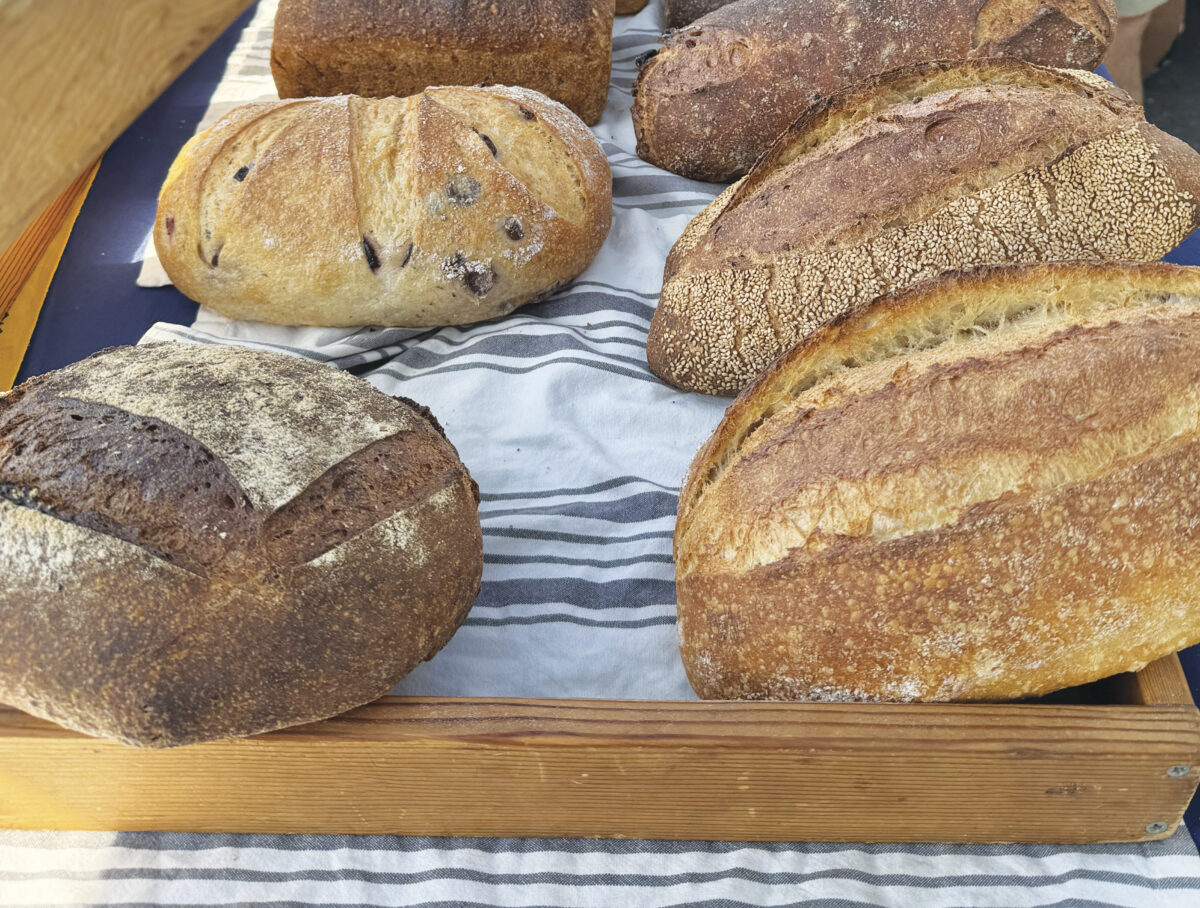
[371, 254]
[242, 172]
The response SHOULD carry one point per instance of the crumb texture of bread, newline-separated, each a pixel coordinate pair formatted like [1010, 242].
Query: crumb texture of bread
[451, 206]
[720, 91]
[207, 542]
[989, 496]
[922, 172]
[381, 49]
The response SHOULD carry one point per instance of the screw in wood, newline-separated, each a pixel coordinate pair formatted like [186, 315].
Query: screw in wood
[1156, 827]
[1178, 771]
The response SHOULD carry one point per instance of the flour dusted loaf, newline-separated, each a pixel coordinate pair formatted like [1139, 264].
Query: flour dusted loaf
[451, 206]
[980, 489]
[380, 48]
[719, 92]
[936, 168]
[204, 542]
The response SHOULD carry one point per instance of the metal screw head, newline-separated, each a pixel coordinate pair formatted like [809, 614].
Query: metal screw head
[1178, 771]
[1156, 828]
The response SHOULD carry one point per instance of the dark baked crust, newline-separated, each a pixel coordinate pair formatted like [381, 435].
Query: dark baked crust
[936, 168]
[155, 593]
[681, 12]
[998, 516]
[719, 92]
[378, 49]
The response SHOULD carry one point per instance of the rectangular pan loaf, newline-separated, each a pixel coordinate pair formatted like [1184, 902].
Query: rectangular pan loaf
[377, 49]
[988, 493]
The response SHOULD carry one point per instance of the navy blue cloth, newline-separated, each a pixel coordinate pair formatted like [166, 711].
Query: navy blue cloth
[94, 301]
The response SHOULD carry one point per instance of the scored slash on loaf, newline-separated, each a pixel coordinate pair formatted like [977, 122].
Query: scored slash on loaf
[934, 168]
[719, 92]
[980, 489]
[204, 542]
[452, 206]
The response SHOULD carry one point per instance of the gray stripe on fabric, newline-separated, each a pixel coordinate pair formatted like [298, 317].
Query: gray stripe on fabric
[592, 595]
[614, 483]
[562, 618]
[624, 880]
[399, 373]
[637, 508]
[1178, 844]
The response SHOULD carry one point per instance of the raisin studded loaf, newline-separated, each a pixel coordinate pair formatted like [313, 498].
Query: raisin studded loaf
[979, 489]
[935, 168]
[721, 91]
[380, 48]
[451, 206]
[204, 542]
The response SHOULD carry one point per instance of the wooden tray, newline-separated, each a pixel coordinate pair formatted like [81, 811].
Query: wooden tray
[1118, 761]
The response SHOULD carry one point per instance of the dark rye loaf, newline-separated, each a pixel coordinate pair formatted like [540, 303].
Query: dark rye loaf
[206, 542]
[982, 488]
[719, 92]
[935, 168]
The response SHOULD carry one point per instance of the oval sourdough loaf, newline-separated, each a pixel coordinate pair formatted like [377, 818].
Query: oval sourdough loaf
[719, 92]
[983, 488]
[451, 206]
[936, 168]
[204, 542]
[381, 48]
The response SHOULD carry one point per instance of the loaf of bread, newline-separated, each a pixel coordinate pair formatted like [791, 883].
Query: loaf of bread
[379, 48]
[682, 12]
[455, 205]
[203, 542]
[988, 493]
[629, 7]
[719, 92]
[935, 168]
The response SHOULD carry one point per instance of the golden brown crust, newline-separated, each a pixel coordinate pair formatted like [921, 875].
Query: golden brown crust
[1003, 514]
[380, 49]
[160, 604]
[451, 206]
[894, 184]
[719, 92]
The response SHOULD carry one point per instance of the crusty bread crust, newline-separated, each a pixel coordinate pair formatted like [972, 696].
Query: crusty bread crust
[451, 206]
[206, 542]
[937, 168]
[719, 92]
[380, 49]
[1006, 511]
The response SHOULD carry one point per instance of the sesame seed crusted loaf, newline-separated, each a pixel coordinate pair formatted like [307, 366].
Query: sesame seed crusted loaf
[205, 542]
[931, 169]
[455, 205]
[991, 496]
[380, 48]
[719, 92]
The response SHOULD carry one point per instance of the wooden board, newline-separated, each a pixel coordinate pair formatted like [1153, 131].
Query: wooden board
[75, 75]
[742, 771]
[26, 269]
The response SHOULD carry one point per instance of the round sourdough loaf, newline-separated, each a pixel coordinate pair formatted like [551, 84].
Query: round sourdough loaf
[936, 168]
[205, 542]
[981, 489]
[451, 206]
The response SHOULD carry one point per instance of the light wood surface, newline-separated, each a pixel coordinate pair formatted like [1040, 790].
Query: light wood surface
[26, 269]
[75, 74]
[753, 771]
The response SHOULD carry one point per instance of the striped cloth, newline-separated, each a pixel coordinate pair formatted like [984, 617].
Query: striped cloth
[579, 452]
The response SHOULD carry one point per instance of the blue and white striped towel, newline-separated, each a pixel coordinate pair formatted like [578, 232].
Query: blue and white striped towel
[579, 452]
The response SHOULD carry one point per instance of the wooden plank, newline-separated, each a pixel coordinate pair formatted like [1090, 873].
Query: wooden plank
[27, 268]
[1160, 683]
[75, 75]
[741, 771]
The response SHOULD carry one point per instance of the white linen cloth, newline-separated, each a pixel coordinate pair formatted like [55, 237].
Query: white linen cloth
[579, 452]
